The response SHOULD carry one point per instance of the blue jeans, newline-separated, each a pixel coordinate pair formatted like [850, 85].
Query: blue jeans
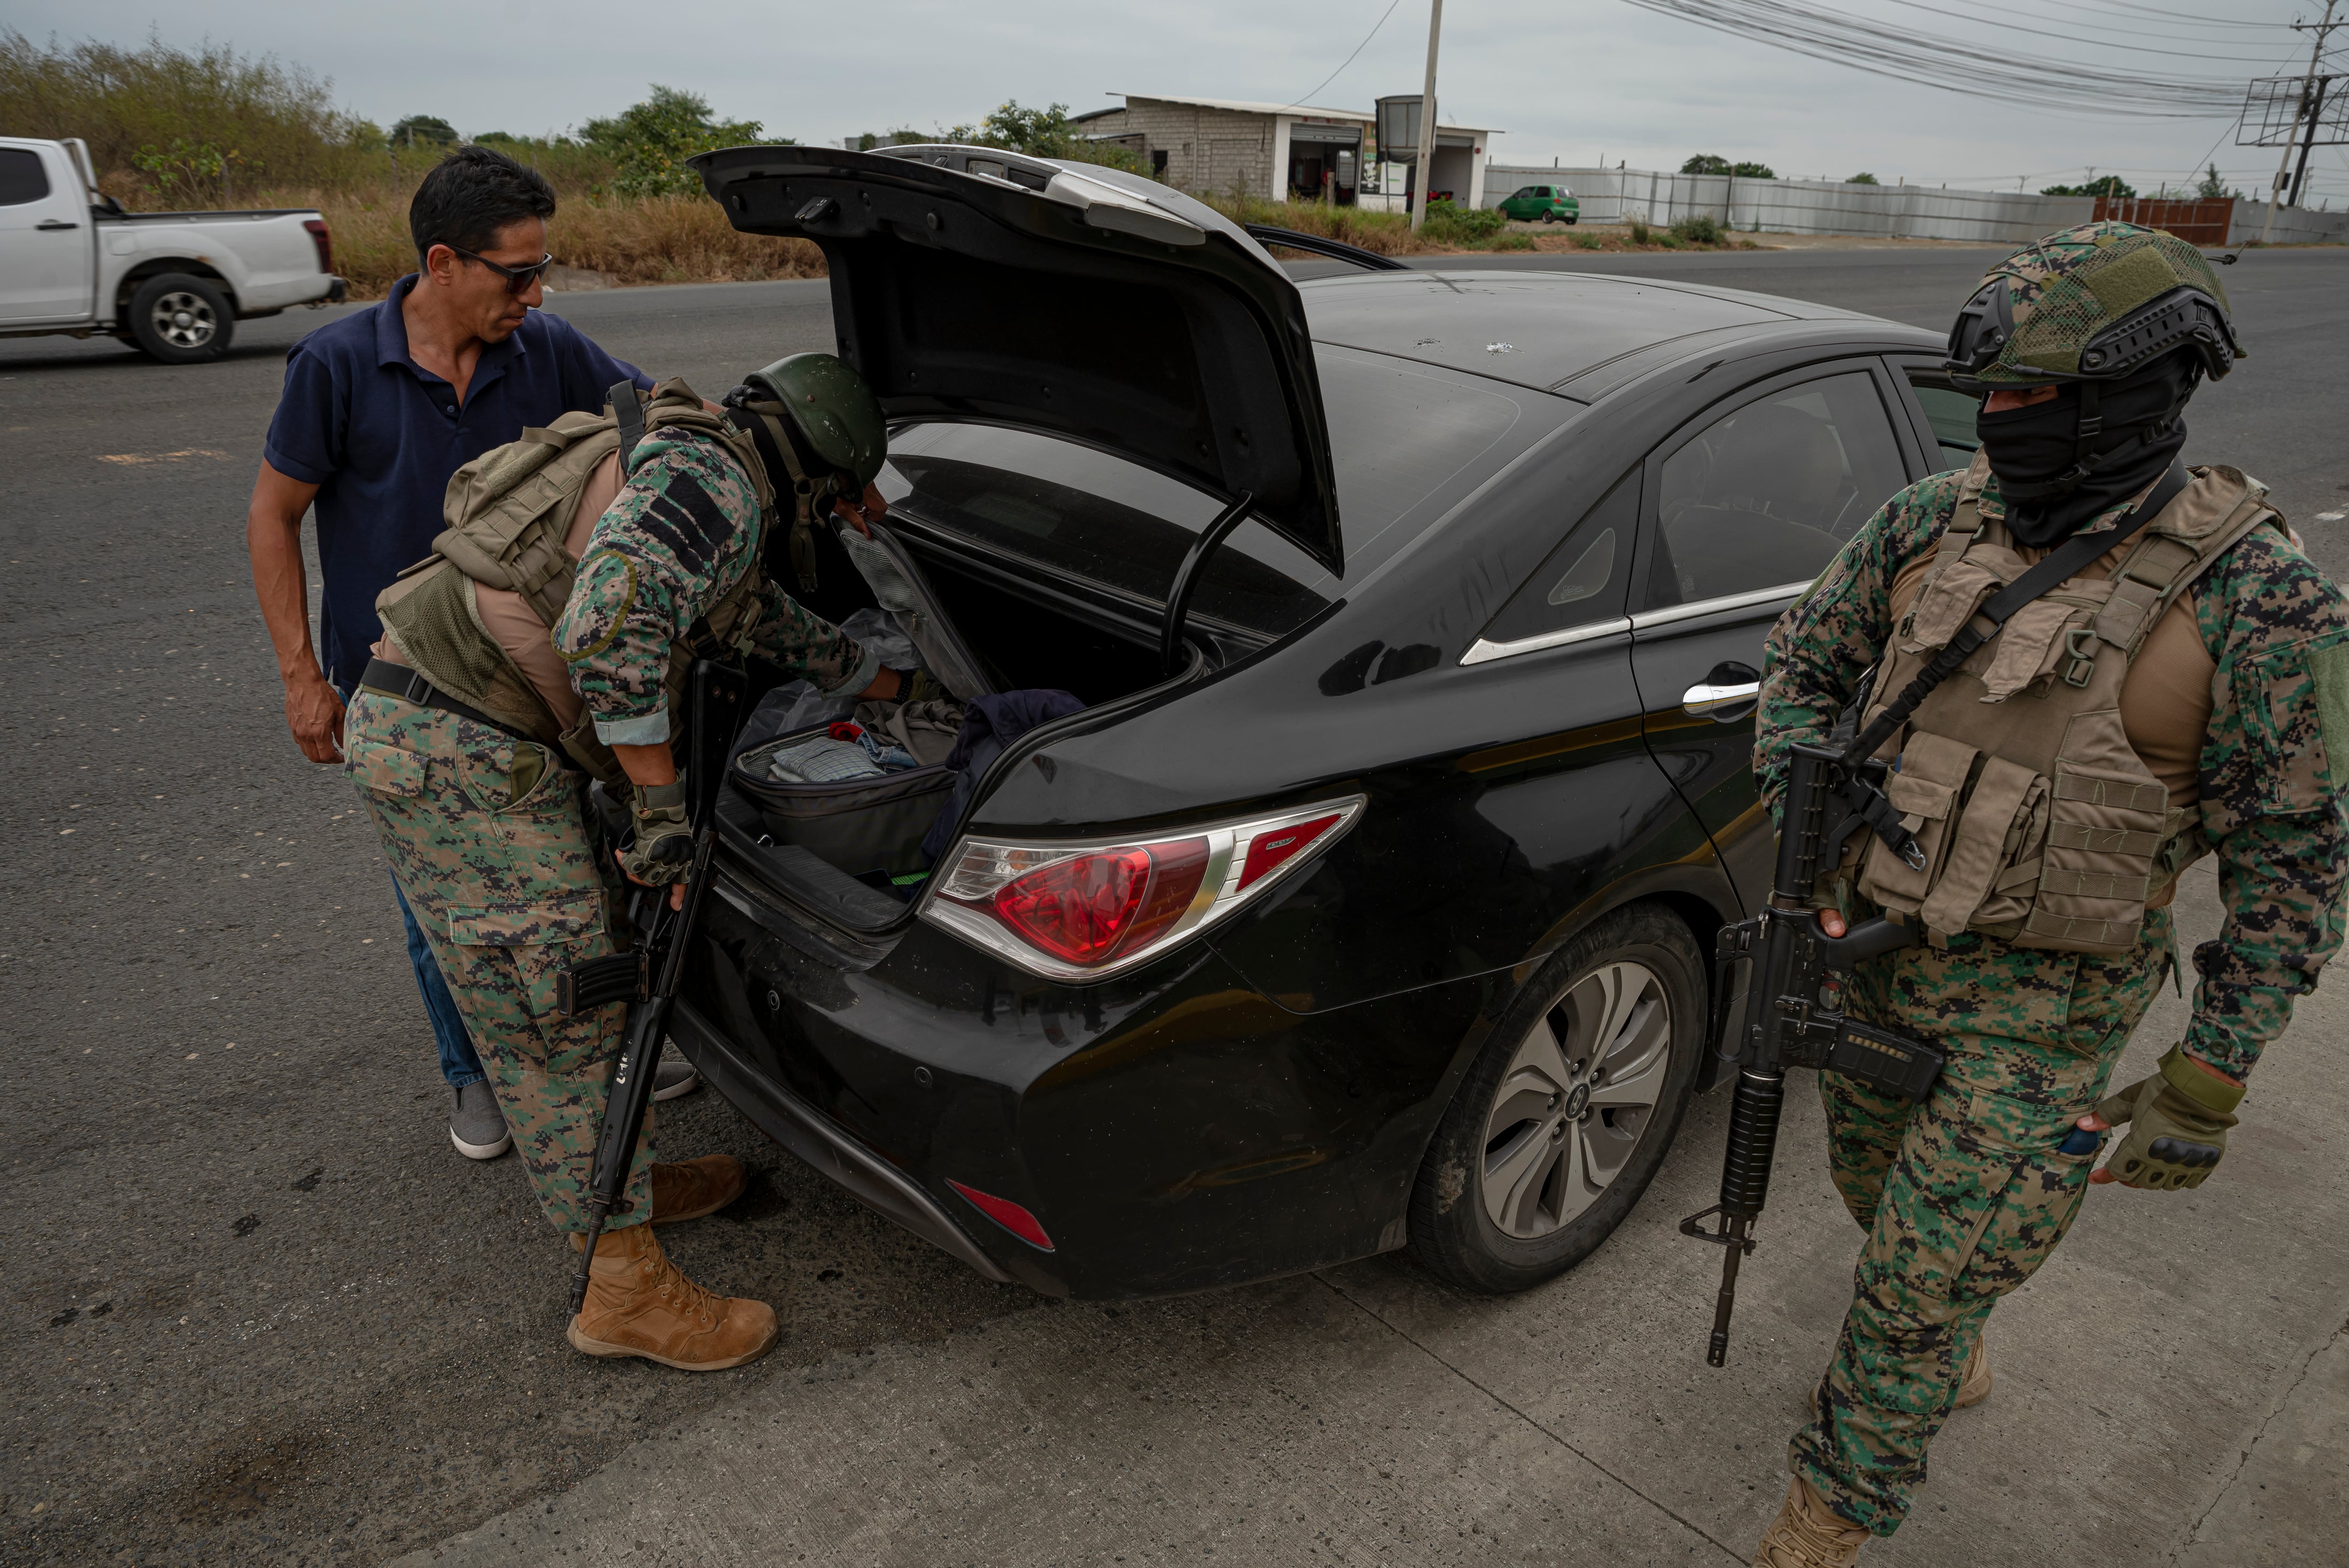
[458, 1063]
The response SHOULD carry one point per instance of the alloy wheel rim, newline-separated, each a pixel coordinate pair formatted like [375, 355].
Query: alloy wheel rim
[1579, 1094]
[184, 320]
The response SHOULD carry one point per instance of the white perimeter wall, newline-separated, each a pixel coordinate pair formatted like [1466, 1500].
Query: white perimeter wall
[1803, 206]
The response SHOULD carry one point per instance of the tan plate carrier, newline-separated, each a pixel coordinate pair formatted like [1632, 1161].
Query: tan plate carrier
[508, 512]
[2038, 821]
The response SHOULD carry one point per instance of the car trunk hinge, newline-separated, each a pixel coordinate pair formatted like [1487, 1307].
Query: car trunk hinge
[1187, 577]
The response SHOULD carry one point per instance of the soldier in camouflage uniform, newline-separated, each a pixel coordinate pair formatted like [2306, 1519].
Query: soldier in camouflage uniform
[1963, 1194]
[491, 836]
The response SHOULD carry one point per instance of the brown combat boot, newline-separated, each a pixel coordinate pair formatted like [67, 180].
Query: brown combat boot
[693, 1188]
[1807, 1534]
[1973, 1387]
[640, 1304]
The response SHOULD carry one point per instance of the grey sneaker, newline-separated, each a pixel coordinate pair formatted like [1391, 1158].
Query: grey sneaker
[674, 1076]
[476, 1126]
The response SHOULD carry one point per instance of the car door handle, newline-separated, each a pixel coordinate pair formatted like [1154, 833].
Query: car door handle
[51, 225]
[1705, 701]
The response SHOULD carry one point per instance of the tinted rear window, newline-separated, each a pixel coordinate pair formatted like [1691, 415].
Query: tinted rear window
[22, 179]
[1407, 440]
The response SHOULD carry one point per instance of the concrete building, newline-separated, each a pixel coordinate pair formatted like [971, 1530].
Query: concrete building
[1224, 146]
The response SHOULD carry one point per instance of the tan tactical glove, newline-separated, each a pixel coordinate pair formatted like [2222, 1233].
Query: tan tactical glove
[663, 846]
[2177, 1126]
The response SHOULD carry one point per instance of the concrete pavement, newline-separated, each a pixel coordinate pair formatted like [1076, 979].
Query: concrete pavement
[2172, 1386]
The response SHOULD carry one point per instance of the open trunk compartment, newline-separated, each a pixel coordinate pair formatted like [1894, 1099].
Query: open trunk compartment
[1008, 636]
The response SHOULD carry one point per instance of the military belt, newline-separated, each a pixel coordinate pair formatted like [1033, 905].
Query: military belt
[398, 681]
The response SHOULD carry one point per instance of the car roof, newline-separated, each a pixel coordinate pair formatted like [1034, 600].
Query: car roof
[1580, 334]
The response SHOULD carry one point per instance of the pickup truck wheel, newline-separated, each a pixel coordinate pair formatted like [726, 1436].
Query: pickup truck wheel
[181, 320]
[1568, 1111]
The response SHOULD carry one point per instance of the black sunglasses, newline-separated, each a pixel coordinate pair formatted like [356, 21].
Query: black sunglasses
[518, 279]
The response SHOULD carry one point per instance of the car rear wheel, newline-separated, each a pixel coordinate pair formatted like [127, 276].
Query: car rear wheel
[1549, 217]
[1570, 1109]
[181, 319]
[1574, 216]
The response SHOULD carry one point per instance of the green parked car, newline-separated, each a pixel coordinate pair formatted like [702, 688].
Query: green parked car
[1549, 203]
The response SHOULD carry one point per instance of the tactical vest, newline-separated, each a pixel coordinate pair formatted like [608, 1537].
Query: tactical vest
[508, 511]
[2038, 821]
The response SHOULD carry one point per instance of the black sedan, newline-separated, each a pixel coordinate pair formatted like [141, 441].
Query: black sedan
[1416, 615]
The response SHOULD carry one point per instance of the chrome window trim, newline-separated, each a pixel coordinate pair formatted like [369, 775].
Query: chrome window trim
[1647, 619]
[1482, 652]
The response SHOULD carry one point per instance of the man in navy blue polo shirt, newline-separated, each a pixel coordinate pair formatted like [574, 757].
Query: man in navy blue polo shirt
[379, 408]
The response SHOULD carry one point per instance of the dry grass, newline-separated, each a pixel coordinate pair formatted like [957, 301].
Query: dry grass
[633, 240]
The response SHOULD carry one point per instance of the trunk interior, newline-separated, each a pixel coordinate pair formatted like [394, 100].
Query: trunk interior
[853, 849]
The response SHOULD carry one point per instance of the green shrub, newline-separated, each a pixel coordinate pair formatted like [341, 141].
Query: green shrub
[648, 142]
[1588, 242]
[1703, 229]
[1447, 224]
[1640, 232]
[1514, 242]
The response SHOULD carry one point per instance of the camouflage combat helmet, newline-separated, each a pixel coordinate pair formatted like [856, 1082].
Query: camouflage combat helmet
[832, 408]
[2091, 303]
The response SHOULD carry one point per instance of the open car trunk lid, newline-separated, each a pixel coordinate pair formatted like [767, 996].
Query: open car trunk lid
[1084, 301]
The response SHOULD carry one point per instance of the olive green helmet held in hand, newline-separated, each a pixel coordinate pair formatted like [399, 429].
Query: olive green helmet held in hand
[2094, 303]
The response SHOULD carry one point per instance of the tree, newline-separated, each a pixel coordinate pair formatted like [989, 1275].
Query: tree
[650, 141]
[1041, 133]
[424, 131]
[1863, 179]
[2211, 188]
[1705, 163]
[2111, 185]
[1755, 171]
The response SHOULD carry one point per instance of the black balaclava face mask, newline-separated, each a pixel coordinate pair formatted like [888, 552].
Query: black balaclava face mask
[2144, 427]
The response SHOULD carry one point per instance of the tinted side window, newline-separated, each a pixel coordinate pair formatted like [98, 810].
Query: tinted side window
[1951, 414]
[22, 179]
[1766, 495]
[1584, 578]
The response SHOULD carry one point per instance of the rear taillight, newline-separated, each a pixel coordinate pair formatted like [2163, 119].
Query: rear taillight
[320, 238]
[1083, 911]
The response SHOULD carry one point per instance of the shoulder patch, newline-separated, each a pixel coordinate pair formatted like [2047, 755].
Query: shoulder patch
[2328, 667]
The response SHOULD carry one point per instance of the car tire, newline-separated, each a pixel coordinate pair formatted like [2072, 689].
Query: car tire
[1530, 1169]
[1549, 217]
[182, 319]
[1572, 218]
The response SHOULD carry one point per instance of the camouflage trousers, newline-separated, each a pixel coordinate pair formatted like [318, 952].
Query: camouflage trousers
[495, 845]
[1961, 1194]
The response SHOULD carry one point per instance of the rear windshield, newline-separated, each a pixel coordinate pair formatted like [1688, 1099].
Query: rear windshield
[1406, 440]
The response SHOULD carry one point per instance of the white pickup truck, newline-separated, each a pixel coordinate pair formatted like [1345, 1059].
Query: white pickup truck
[174, 284]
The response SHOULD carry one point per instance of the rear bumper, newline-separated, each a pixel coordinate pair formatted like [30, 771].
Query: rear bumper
[1172, 1128]
[797, 1126]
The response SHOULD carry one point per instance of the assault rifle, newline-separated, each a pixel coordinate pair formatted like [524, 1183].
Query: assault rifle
[1778, 979]
[646, 976]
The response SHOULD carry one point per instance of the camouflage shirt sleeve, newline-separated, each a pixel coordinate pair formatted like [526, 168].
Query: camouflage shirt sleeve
[679, 538]
[2278, 632]
[1826, 640]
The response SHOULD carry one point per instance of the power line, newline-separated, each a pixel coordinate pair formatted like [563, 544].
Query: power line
[1341, 71]
[1954, 66]
[2074, 38]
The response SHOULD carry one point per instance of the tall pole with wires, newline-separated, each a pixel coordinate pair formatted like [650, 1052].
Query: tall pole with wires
[1427, 117]
[2305, 110]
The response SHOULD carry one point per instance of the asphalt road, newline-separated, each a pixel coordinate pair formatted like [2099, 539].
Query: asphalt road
[259, 1310]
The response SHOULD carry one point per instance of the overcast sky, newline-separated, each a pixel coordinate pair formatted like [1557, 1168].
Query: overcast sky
[1572, 80]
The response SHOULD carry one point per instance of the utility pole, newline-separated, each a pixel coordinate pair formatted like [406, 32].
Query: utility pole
[2302, 110]
[1427, 115]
